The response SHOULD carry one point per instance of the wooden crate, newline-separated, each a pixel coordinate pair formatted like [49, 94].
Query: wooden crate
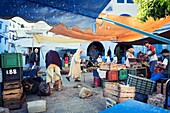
[111, 90]
[111, 66]
[111, 85]
[126, 93]
[12, 85]
[117, 92]
[118, 97]
[124, 88]
[110, 102]
[113, 97]
[15, 104]
[12, 94]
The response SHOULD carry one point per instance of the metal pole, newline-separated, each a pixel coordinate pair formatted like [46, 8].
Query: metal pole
[33, 43]
[169, 60]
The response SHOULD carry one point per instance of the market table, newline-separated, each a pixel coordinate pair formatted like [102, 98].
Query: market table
[133, 106]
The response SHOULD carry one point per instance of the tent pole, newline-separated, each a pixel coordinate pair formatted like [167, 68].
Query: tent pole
[165, 40]
[169, 60]
[33, 43]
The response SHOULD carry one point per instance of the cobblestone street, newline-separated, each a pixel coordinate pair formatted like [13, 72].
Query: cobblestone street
[68, 101]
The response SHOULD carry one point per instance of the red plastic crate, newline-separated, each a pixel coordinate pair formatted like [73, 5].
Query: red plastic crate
[112, 75]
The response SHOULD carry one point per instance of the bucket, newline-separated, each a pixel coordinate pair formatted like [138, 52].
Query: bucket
[97, 82]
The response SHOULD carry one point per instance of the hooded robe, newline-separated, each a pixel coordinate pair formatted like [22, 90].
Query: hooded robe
[75, 68]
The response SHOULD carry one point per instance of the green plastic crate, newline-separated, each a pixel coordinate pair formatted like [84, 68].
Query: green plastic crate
[138, 71]
[123, 74]
[10, 60]
[142, 85]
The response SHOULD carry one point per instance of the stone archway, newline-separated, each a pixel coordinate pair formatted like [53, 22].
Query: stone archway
[95, 48]
[120, 51]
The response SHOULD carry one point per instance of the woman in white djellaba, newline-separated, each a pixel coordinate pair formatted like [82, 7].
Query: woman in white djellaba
[75, 67]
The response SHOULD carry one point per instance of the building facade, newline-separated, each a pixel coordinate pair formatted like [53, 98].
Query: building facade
[4, 35]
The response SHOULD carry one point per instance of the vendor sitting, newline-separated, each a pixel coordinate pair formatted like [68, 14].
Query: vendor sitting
[164, 66]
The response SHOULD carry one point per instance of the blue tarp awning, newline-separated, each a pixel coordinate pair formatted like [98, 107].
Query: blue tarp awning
[80, 13]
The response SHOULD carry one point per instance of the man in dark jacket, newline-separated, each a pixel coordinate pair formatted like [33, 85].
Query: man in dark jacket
[54, 66]
[33, 58]
[52, 57]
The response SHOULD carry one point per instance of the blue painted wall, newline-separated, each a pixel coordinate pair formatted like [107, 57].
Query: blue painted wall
[4, 32]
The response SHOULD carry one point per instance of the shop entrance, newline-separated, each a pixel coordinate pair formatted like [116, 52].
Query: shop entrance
[95, 48]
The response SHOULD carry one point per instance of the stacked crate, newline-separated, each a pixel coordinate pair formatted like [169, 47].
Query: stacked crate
[12, 71]
[117, 92]
[117, 75]
[112, 76]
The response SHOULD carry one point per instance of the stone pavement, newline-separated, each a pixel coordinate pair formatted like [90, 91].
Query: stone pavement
[68, 101]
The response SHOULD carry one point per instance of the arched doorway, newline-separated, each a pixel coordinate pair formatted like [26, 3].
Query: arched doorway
[125, 15]
[94, 49]
[120, 51]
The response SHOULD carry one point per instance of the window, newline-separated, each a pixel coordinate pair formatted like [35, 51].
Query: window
[120, 1]
[5, 40]
[129, 1]
[0, 24]
[6, 28]
[13, 37]
[10, 36]
[22, 26]
[1, 38]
